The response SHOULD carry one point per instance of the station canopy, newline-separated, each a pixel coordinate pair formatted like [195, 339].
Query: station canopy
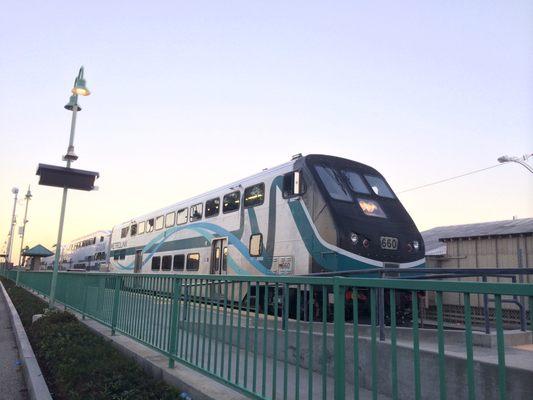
[37, 251]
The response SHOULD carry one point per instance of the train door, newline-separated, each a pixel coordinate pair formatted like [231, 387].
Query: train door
[219, 256]
[137, 266]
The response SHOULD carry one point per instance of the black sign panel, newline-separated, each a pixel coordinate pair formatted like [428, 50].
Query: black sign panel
[70, 178]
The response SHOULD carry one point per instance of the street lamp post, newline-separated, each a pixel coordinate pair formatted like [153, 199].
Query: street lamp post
[15, 191]
[78, 89]
[520, 160]
[28, 198]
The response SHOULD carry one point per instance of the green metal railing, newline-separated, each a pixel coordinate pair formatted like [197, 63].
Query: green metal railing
[288, 337]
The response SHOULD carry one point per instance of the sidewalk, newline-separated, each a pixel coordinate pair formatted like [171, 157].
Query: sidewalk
[11, 373]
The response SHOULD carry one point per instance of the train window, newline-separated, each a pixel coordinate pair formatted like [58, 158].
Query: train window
[334, 185]
[256, 245]
[101, 238]
[156, 263]
[115, 255]
[159, 223]
[231, 202]
[193, 261]
[212, 207]
[355, 181]
[122, 254]
[379, 186]
[225, 259]
[179, 262]
[140, 227]
[94, 240]
[182, 216]
[254, 195]
[292, 184]
[150, 225]
[196, 212]
[133, 229]
[166, 263]
[124, 232]
[170, 219]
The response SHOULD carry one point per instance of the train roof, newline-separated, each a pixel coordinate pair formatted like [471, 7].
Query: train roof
[236, 185]
[100, 232]
[241, 183]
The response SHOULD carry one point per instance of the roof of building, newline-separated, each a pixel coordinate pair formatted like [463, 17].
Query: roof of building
[434, 238]
[38, 251]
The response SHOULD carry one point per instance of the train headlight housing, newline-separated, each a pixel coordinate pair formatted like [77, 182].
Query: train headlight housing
[371, 208]
[416, 245]
[354, 238]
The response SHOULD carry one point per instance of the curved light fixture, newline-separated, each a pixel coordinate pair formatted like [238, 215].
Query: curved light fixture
[80, 87]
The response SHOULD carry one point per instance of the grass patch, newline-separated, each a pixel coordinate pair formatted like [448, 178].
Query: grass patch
[77, 363]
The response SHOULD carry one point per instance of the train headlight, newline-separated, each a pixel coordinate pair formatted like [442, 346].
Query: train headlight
[416, 245]
[371, 207]
[354, 238]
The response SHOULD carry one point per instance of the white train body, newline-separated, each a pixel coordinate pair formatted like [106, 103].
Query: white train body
[312, 214]
[195, 242]
[89, 253]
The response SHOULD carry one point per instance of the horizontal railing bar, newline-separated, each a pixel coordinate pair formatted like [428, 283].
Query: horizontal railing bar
[518, 289]
[412, 271]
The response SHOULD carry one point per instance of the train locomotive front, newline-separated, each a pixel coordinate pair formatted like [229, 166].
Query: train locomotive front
[358, 219]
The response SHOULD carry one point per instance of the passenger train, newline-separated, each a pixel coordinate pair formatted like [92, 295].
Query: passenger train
[313, 214]
[86, 253]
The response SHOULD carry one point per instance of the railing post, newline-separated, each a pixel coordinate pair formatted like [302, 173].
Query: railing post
[84, 306]
[118, 281]
[338, 336]
[174, 322]
[18, 274]
[381, 314]
[486, 308]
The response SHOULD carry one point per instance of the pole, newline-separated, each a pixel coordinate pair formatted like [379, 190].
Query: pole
[63, 206]
[13, 222]
[27, 197]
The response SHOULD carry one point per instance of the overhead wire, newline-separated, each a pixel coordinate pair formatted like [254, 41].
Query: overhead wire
[449, 179]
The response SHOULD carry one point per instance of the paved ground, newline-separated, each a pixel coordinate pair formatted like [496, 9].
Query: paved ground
[12, 386]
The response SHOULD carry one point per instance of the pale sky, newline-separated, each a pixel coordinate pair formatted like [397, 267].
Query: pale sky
[188, 96]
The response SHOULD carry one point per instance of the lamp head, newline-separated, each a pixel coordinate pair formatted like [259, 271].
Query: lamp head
[503, 159]
[70, 156]
[73, 101]
[15, 190]
[80, 86]
[28, 194]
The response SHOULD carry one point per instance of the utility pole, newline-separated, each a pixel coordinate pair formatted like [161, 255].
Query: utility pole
[28, 198]
[15, 191]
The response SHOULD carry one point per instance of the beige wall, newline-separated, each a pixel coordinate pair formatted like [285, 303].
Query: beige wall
[501, 252]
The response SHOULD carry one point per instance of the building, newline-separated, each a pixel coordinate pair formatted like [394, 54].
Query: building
[496, 244]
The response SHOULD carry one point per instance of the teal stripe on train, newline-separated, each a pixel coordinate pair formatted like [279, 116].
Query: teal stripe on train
[155, 245]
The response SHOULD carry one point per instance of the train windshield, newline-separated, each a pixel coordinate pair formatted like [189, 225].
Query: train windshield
[379, 186]
[333, 183]
[341, 183]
